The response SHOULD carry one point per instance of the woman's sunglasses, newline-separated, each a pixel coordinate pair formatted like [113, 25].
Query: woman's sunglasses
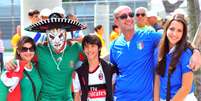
[25, 49]
[125, 16]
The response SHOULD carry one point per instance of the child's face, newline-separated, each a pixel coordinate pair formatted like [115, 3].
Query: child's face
[91, 51]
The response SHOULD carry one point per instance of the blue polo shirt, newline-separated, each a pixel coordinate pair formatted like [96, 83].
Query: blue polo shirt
[176, 77]
[135, 61]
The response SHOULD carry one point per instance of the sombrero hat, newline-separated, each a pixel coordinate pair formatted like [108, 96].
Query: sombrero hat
[55, 21]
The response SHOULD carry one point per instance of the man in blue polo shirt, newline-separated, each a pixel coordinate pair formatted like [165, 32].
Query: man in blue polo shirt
[133, 53]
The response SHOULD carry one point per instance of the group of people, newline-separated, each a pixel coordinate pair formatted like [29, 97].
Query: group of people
[139, 70]
[133, 54]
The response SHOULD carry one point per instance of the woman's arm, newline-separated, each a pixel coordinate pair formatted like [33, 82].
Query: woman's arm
[157, 88]
[187, 80]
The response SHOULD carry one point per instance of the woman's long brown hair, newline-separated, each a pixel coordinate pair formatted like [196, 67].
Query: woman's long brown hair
[164, 47]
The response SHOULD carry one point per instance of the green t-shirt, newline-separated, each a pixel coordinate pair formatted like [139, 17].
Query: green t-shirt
[57, 83]
[3, 91]
[26, 86]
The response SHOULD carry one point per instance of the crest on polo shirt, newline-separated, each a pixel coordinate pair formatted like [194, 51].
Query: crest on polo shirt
[72, 63]
[140, 45]
[100, 76]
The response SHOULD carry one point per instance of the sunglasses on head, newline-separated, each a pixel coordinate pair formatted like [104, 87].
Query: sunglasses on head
[142, 14]
[125, 16]
[25, 49]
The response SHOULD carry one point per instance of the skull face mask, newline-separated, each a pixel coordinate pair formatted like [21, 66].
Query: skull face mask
[56, 38]
[55, 27]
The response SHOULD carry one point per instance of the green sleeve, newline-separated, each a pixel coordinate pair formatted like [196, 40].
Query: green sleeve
[79, 47]
[3, 91]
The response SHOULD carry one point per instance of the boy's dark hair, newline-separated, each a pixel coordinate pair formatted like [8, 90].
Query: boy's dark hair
[32, 12]
[92, 39]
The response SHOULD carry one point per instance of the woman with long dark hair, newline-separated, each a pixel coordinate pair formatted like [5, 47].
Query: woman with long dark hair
[174, 78]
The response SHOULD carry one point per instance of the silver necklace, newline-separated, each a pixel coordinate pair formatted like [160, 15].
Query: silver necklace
[59, 59]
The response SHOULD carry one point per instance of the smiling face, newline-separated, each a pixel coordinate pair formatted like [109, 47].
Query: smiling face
[91, 51]
[175, 32]
[26, 52]
[91, 45]
[56, 38]
[124, 19]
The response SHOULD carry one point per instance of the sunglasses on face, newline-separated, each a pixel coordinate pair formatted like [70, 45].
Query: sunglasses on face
[138, 14]
[25, 49]
[125, 16]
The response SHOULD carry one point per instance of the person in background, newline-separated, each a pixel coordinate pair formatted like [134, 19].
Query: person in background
[75, 35]
[115, 33]
[45, 13]
[34, 17]
[94, 79]
[133, 55]
[141, 20]
[30, 83]
[174, 78]
[1, 52]
[163, 22]
[15, 38]
[99, 31]
[153, 21]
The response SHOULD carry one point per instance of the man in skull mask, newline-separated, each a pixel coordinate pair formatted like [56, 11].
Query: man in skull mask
[56, 59]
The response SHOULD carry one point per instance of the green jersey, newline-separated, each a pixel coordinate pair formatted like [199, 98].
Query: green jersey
[26, 86]
[56, 72]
